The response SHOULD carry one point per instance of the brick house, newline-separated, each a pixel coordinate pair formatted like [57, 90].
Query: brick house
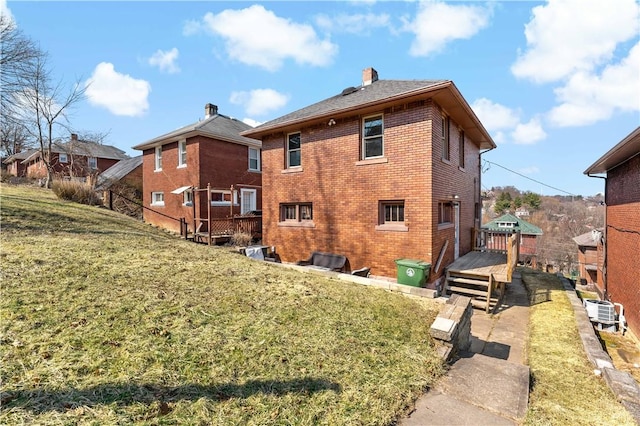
[621, 254]
[208, 152]
[508, 224]
[77, 159]
[14, 163]
[386, 170]
[589, 250]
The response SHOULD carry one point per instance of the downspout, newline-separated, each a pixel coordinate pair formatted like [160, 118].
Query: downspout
[479, 213]
[604, 244]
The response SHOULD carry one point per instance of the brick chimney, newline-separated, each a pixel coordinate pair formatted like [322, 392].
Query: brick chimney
[210, 110]
[74, 137]
[369, 75]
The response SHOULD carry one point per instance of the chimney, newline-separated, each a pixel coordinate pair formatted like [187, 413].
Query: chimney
[369, 75]
[74, 137]
[210, 110]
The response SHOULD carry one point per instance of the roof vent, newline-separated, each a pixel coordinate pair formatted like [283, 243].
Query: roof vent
[349, 90]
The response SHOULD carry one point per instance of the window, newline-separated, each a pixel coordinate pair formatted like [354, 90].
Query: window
[92, 162]
[223, 198]
[254, 159]
[445, 212]
[62, 157]
[446, 149]
[182, 154]
[157, 198]
[158, 158]
[187, 198]
[461, 148]
[372, 143]
[300, 212]
[392, 212]
[293, 150]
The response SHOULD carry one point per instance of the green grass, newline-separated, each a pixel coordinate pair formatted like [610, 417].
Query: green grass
[565, 390]
[105, 320]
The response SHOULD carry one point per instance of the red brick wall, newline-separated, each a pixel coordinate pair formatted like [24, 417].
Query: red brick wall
[623, 238]
[220, 164]
[346, 192]
[80, 166]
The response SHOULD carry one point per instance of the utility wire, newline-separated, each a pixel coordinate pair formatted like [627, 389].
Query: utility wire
[527, 177]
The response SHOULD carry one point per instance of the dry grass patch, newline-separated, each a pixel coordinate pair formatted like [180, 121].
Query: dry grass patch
[565, 389]
[108, 321]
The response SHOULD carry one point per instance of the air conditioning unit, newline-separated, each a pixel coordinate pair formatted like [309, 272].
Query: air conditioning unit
[600, 311]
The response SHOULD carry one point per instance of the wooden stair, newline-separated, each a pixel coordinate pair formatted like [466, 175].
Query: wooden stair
[482, 289]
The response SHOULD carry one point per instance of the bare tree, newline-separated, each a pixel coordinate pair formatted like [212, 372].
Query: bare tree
[14, 138]
[44, 107]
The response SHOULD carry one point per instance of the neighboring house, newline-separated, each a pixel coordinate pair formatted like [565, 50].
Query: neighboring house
[508, 224]
[208, 152]
[120, 187]
[589, 261]
[75, 159]
[14, 163]
[621, 254]
[383, 171]
[522, 212]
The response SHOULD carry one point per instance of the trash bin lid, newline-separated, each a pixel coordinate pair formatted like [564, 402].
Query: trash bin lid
[412, 263]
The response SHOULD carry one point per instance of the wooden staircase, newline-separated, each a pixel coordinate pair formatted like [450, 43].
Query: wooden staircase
[484, 291]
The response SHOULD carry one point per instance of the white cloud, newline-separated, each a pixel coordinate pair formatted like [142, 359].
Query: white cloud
[251, 122]
[500, 120]
[121, 94]
[528, 133]
[355, 24]
[529, 170]
[256, 36]
[5, 12]
[568, 36]
[166, 61]
[587, 98]
[437, 24]
[259, 101]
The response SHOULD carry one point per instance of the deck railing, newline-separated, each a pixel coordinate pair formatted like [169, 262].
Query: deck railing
[506, 242]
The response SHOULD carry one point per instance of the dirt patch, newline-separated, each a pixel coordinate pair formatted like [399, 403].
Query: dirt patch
[624, 351]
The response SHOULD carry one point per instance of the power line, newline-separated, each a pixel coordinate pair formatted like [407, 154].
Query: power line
[527, 177]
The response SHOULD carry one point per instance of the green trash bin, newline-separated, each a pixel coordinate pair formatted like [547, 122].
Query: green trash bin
[412, 272]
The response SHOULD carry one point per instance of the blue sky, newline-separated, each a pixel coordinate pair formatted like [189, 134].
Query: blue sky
[557, 84]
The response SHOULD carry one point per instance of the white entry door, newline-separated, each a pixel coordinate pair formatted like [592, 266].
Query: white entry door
[456, 219]
[248, 200]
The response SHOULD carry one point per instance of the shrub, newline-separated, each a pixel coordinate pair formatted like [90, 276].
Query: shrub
[241, 239]
[78, 192]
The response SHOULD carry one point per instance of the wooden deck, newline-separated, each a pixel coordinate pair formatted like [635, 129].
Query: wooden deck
[482, 264]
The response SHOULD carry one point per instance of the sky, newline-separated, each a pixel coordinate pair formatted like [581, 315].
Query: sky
[556, 83]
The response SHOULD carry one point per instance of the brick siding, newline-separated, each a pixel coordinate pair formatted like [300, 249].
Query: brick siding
[346, 192]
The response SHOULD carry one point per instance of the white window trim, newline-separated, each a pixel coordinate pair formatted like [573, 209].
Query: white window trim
[289, 166]
[243, 191]
[61, 156]
[364, 139]
[257, 151]
[158, 158]
[95, 166]
[181, 143]
[185, 195]
[153, 199]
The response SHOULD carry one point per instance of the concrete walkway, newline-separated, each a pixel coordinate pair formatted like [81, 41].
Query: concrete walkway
[489, 384]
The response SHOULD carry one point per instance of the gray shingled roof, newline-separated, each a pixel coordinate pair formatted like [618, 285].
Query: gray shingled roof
[20, 155]
[118, 171]
[217, 126]
[586, 239]
[353, 97]
[84, 148]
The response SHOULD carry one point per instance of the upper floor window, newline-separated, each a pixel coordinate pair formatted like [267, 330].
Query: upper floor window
[182, 154]
[254, 159]
[157, 198]
[372, 142]
[293, 150]
[461, 148]
[62, 157]
[92, 162]
[158, 158]
[446, 148]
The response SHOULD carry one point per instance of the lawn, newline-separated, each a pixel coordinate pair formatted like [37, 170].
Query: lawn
[564, 390]
[105, 320]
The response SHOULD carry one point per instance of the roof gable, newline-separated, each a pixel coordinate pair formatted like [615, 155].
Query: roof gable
[519, 224]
